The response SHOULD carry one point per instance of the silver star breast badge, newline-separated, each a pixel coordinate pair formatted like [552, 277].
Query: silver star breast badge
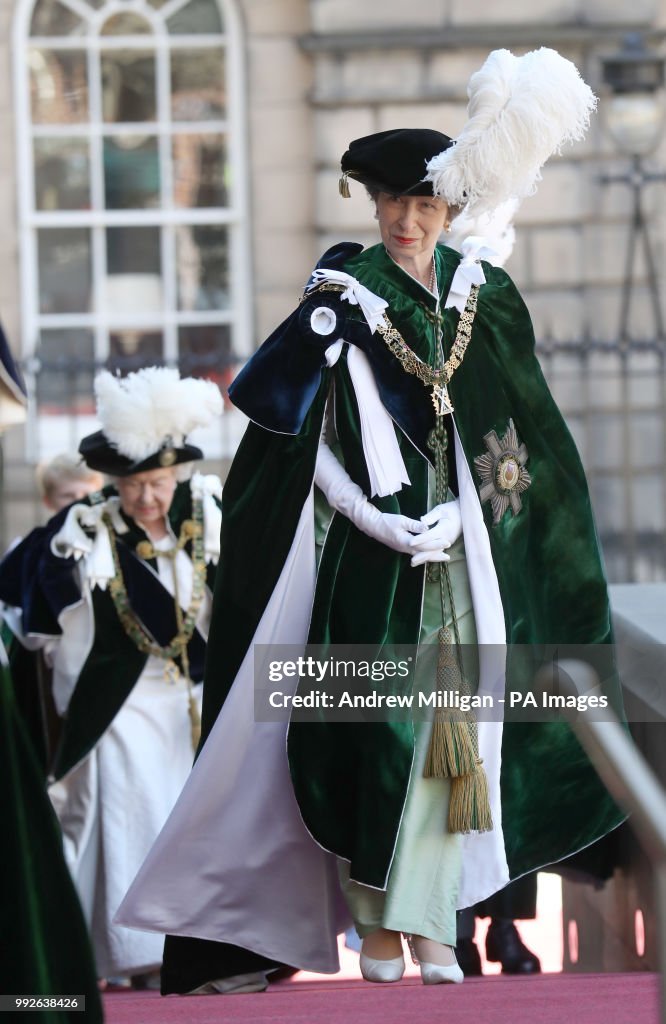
[502, 472]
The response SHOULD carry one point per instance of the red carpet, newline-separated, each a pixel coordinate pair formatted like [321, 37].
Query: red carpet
[546, 999]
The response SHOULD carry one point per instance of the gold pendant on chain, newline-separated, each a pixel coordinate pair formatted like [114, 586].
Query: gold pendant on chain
[441, 399]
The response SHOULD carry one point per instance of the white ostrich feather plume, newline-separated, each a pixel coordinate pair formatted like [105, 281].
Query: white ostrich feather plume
[139, 412]
[521, 110]
[494, 226]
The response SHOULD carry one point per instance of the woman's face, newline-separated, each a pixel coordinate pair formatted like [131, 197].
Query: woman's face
[410, 225]
[146, 497]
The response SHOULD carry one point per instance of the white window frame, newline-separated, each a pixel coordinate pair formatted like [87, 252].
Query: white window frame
[97, 219]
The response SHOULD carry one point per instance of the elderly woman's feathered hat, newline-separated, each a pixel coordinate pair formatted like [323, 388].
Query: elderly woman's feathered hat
[521, 110]
[146, 418]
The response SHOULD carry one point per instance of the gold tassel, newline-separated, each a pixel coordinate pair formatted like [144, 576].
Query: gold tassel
[343, 186]
[451, 752]
[469, 805]
[195, 721]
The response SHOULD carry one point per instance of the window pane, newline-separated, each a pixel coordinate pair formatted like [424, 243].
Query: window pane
[196, 16]
[605, 441]
[126, 24]
[197, 85]
[128, 86]
[133, 251]
[58, 86]
[200, 170]
[64, 270]
[50, 18]
[62, 174]
[133, 294]
[205, 351]
[203, 267]
[645, 372]
[609, 504]
[646, 432]
[131, 172]
[65, 377]
[647, 493]
[131, 350]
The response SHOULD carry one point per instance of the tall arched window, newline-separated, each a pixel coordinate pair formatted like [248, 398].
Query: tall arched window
[133, 209]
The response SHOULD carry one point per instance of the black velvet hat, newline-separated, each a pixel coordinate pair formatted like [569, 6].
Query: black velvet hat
[393, 161]
[100, 454]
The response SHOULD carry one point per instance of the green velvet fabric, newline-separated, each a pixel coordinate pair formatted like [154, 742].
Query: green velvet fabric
[44, 946]
[368, 594]
[551, 578]
[351, 780]
[550, 575]
[263, 495]
[379, 605]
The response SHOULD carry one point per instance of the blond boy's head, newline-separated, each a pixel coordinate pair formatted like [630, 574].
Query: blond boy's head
[63, 480]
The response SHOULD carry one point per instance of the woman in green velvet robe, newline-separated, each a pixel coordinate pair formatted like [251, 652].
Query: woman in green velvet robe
[333, 402]
[44, 949]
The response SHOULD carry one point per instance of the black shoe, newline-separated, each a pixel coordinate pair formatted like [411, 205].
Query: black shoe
[147, 980]
[282, 973]
[504, 945]
[468, 957]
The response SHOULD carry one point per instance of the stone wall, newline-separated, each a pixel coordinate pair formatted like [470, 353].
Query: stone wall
[279, 79]
[410, 69]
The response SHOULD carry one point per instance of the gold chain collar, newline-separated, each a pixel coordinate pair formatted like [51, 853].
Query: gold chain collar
[437, 379]
[191, 529]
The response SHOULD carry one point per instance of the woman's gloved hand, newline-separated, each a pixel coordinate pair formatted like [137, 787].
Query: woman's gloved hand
[445, 524]
[396, 531]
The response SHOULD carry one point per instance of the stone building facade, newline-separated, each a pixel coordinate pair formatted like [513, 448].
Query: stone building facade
[309, 76]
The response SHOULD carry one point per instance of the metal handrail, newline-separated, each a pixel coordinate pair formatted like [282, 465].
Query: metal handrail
[627, 776]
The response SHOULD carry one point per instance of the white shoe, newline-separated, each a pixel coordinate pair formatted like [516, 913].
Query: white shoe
[381, 970]
[437, 974]
[239, 983]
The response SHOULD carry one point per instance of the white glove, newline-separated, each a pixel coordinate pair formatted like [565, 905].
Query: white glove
[342, 494]
[446, 523]
[71, 540]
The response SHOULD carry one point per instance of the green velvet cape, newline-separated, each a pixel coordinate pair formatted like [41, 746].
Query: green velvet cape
[45, 948]
[351, 780]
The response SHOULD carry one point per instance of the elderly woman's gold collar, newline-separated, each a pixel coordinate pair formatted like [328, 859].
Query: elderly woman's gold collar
[191, 529]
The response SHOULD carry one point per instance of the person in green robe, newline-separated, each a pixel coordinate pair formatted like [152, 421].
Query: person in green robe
[44, 947]
[404, 393]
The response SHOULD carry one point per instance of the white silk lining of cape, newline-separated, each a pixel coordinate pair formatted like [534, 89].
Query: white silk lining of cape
[484, 866]
[234, 862]
[386, 470]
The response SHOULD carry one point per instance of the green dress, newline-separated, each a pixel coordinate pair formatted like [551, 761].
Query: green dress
[421, 894]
